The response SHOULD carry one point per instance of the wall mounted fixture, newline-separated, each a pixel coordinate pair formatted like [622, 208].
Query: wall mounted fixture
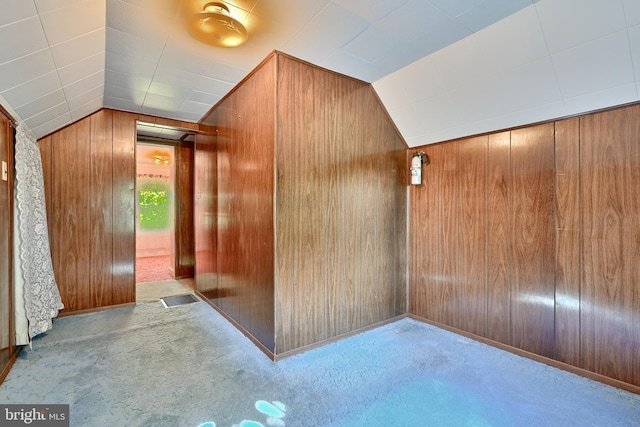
[419, 158]
[216, 27]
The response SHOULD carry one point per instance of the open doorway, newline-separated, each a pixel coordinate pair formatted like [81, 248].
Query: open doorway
[164, 212]
[155, 183]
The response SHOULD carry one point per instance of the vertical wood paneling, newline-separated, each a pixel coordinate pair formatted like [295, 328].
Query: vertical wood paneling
[401, 204]
[373, 276]
[610, 300]
[335, 206]
[472, 252]
[309, 195]
[499, 234]
[71, 193]
[124, 216]
[349, 168]
[245, 185]
[184, 231]
[568, 246]
[101, 208]
[284, 244]
[46, 154]
[335, 188]
[424, 236]
[205, 222]
[563, 240]
[533, 245]
[447, 291]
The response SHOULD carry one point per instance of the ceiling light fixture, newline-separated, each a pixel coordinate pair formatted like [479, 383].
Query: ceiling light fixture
[215, 26]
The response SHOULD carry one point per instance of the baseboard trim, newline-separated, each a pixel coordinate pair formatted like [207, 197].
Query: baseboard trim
[7, 367]
[93, 310]
[318, 344]
[238, 326]
[536, 357]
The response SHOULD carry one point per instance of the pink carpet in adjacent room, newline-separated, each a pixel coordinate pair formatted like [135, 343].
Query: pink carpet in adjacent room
[153, 269]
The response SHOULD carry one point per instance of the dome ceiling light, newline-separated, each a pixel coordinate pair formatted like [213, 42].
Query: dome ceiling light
[216, 27]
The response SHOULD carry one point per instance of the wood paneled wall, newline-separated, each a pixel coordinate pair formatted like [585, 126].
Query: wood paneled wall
[340, 207]
[311, 206]
[184, 210]
[90, 174]
[206, 211]
[531, 238]
[244, 141]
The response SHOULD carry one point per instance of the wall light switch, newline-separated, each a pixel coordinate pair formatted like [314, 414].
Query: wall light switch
[5, 171]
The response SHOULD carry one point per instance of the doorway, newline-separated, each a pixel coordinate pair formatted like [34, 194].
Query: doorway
[155, 183]
[164, 211]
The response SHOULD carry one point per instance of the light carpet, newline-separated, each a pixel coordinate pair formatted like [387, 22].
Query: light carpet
[147, 365]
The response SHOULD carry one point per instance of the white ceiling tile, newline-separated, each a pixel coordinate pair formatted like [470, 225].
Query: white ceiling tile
[197, 108]
[345, 26]
[127, 80]
[164, 103]
[204, 98]
[634, 43]
[175, 77]
[524, 117]
[86, 97]
[129, 66]
[25, 68]
[434, 39]
[371, 44]
[213, 86]
[489, 12]
[531, 85]
[79, 48]
[47, 115]
[131, 46]
[70, 22]
[455, 8]
[601, 99]
[53, 125]
[21, 38]
[514, 41]
[146, 23]
[569, 23]
[121, 92]
[87, 109]
[33, 89]
[225, 72]
[395, 93]
[121, 104]
[595, 66]
[84, 85]
[632, 12]
[168, 90]
[45, 102]
[45, 6]
[372, 10]
[462, 61]
[412, 19]
[81, 69]
[14, 11]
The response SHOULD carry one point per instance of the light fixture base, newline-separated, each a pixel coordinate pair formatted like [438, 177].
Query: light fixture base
[215, 26]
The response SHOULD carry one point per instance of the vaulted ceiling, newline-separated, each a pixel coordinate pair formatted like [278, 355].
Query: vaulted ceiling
[443, 68]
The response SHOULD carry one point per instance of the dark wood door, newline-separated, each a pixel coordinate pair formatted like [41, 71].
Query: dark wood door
[6, 201]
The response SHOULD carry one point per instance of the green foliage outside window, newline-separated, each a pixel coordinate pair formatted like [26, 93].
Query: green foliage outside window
[154, 206]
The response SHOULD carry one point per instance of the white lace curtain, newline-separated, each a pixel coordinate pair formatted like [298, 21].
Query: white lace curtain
[36, 296]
